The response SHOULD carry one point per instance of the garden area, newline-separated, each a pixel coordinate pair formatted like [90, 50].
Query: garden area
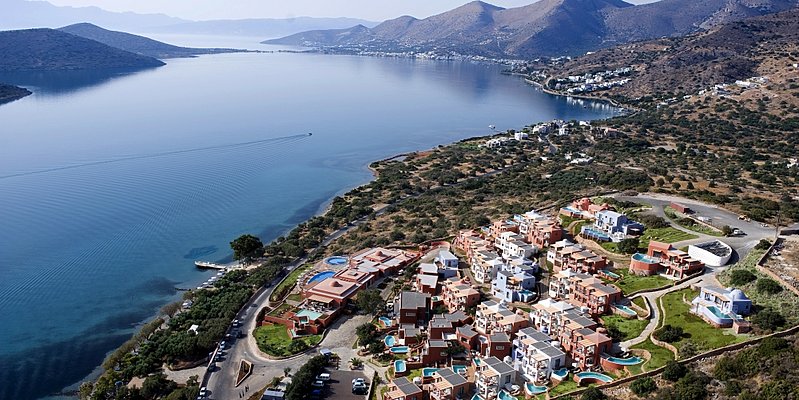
[621, 329]
[664, 235]
[287, 284]
[630, 283]
[692, 329]
[274, 339]
[690, 223]
[660, 356]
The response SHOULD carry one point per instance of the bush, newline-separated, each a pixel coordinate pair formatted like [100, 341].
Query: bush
[593, 394]
[763, 244]
[674, 371]
[768, 319]
[643, 386]
[669, 334]
[768, 286]
[628, 246]
[741, 277]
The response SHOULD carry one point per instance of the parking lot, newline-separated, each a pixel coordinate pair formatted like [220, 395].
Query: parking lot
[340, 385]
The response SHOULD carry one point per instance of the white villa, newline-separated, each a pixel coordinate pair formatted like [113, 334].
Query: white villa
[512, 245]
[514, 283]
[535, 356]
[721, 307]
[492, 376]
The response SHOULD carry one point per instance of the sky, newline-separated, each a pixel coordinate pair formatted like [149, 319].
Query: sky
[374, 10]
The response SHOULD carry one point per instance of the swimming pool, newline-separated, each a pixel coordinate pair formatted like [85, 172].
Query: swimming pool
[321, 276]
[312, 315]
[595, 233]
[718, 313]
[645, 258]
[504, 395]
[390, 341]
[611, 274]
[593, 377]
[476, 361]
[626, 361]
[400, 366]
[625, 309]
[533, 390]
[387, 322]
[459, 369]
[427, 372]
[336, 260]
[560, 374]
[399, 349]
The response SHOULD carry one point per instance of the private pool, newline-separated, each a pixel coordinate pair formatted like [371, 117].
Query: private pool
[533, 390]
[387, 322]
[399, 349]
[459, 369]
[311, 315]
[611, 274]
[504, 395]
[626, 310]
[645, 258]
[336, 260]
[390, 341]
[592, 377]
[428, 372]
[400, 366]
[626, 361]
[560, 374]
[321, 276]
[596, 234]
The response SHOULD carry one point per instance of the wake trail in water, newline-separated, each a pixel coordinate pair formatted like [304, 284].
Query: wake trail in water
[156, 155]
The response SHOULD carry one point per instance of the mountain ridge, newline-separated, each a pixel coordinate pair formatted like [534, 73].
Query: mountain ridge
[544, 28]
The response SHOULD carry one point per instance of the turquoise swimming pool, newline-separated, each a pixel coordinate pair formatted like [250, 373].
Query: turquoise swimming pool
[625, 309]
[560, 374]
[645, 258]
[336, 260]
[390, 341]
[427, 372]
[312, 315]
[626, 361]
[387, 322]
[593, 377]
[611, 274]
[533, 390]
[400, 366]
[400, 349]
[459, 369]
[321, 276]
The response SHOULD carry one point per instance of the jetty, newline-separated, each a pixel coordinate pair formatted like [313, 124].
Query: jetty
[211, 265]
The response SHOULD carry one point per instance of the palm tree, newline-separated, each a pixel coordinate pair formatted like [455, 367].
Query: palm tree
[356, 362]
[286, 371]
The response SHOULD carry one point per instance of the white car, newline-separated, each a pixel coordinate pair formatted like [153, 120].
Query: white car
[318, 384]
[324, 377]
[359, 381]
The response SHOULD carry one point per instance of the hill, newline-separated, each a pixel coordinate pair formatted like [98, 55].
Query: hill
[544, 28]
[136, 44]
[49, 49]
[23, 14]
[260, 27]
[9, 93]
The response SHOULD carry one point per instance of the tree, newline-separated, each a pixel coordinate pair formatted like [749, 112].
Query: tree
[643, 386]
[740, 277]
[246, 247]
[370, 301]
[156, 386]
[726, 230]
[669, 334]
[286, 371]
[674, 371]
[768, 319]
[628, 246]
[366, 333]
[768, 286]
[593, 394]
[615, 333]
[763, 244]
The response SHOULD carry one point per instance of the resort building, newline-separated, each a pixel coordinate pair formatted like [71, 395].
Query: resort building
[721, 307]
[592, 295]
[458, 295]
[403, 389]
[470, 242]
[663, 257]
[587, 347]
[583, 208]
[468, 337]
[611, 226]
[427, 284]
[492, 376]
[434, 352]
[512, 245]
[336, 291]
[566, 255]
[495, 345]
[412, 308]
[539, 230]
[447, 259]
[514, 283]
[408, 334]
[387, 261]
[499, 227]
[492, 317]
[546, 315]
[535, 357]
[484, 266]
[448, 385]
[714, 253]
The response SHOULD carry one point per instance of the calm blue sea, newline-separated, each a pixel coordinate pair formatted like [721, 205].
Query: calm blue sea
[112, 183]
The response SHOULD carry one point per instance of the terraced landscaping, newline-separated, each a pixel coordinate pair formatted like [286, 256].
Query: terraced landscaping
[630, 283]
[660, 356]
[703, 335]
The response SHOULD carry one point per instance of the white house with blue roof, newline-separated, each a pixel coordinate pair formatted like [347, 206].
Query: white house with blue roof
[721, 307]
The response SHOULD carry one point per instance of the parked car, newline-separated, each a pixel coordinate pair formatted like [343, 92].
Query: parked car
[359, 381]
[324, 377]
[318, 384]
[360, 388]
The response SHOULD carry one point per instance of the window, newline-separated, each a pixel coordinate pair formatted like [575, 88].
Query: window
[411, 314]
[500, 348]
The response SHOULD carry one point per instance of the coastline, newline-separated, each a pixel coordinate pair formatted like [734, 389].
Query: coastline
[9, 93]
[326, 206]
[614, 103]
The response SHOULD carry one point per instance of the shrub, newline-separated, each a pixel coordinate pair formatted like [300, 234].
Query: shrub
[593, 394]
[768, 286]
[674, 371]
[768, 319]
[643, 386]
[669, 334]
[628, 246]
[741, 277]
[763, 244]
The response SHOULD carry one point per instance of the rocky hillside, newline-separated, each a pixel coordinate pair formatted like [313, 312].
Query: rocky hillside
[49, 50]
[681, 66]
[544, 28]
[135, 43]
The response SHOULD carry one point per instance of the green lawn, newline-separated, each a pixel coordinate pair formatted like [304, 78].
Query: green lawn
[568, 385]
[640, 302]
[288, 283]
[274, 340]
[631, 328]
[630, 283]
[703, 335]
[785, 302]
[295, 297]
[660, 356]
[665, 235]
[578, 227]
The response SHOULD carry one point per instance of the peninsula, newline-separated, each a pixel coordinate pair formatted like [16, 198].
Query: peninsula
[9, 93]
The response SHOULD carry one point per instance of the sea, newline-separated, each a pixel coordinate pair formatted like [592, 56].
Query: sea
[112, 183]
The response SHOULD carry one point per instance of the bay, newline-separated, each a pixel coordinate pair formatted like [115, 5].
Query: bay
[113, 182]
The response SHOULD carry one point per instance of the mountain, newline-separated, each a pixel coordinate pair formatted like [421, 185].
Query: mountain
[263, 27]
[544, 28]
[136, 44]
[22, 14]
[50, 50]
[9, 93]
[679, 66]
